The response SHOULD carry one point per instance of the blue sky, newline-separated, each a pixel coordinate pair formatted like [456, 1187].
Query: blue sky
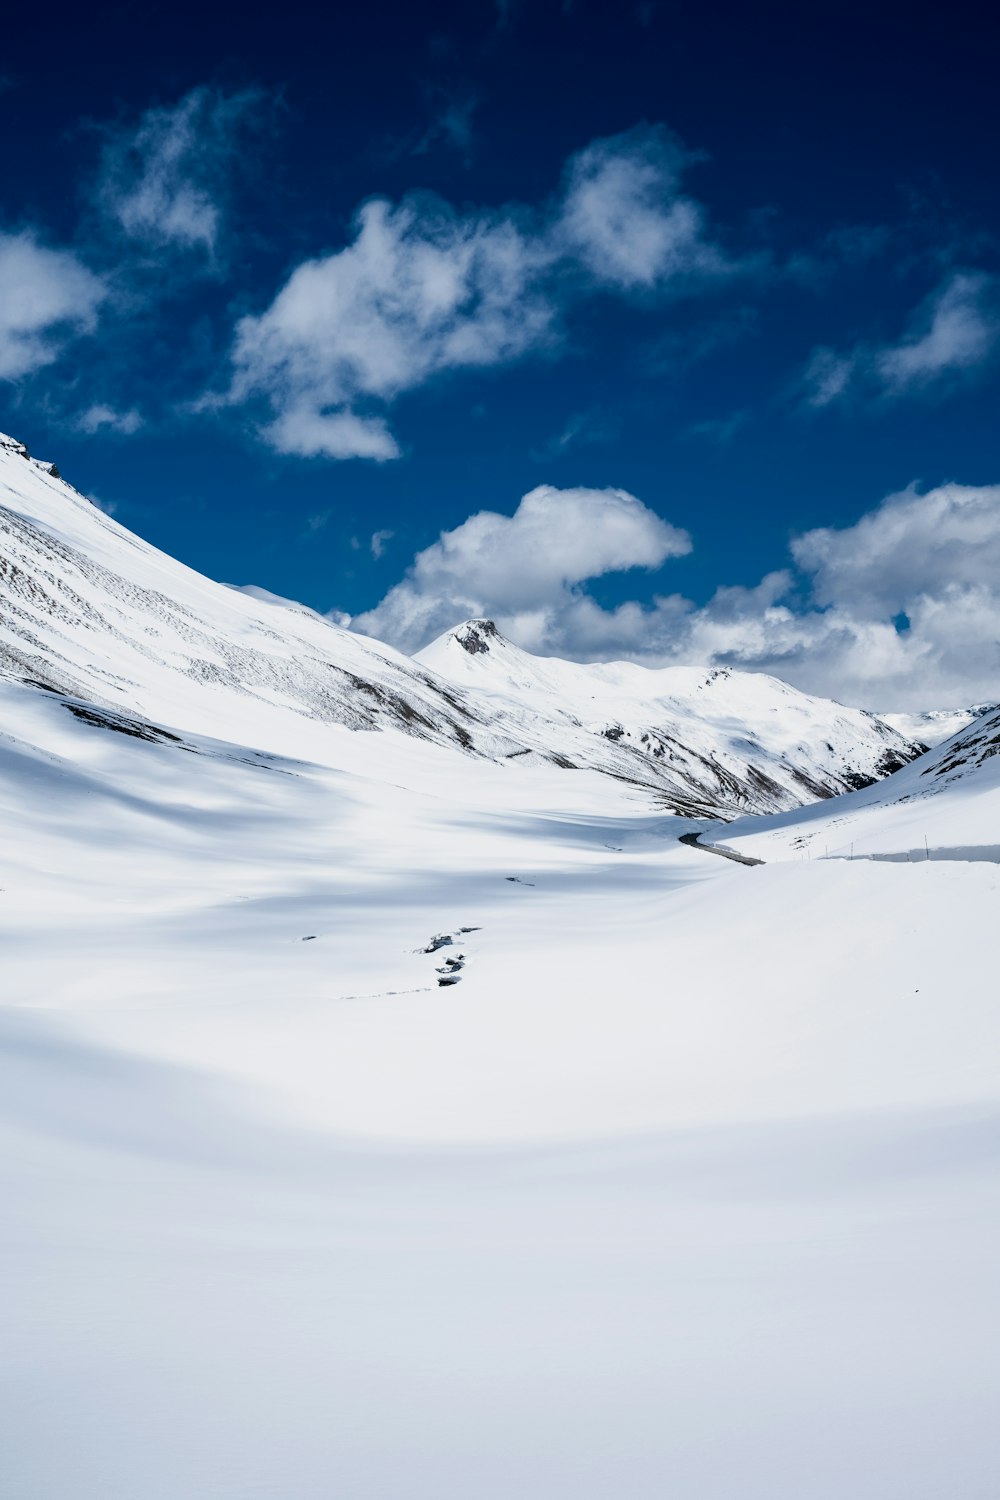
[296, 296]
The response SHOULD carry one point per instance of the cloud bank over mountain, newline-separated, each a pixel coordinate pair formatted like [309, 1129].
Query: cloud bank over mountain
[900, 609]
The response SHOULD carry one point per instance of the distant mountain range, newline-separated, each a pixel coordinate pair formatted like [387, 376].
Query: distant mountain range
[92, 612]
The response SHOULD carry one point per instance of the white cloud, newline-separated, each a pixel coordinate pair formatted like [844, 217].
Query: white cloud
[46, 297]
[163, 182]
[379, 541]
[902, 609]
[899, 611]
[310, 433]
[523, 568]
[420, 290]
[102, 418]
[911, 546]
[423, 289]
[953, 333]
[957, 330]
[624, 219]
[828, 376]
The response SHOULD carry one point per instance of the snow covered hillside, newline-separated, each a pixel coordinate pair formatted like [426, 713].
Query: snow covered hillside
[89, 610]
[945, 806]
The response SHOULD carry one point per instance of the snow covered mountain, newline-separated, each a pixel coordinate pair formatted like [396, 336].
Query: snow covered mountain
[726, 740]
[89, 610]
[935, 725]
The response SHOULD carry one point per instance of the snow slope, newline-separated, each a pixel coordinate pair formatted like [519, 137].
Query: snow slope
[690, 1182]
[687, 1186]
[88, 609]
[945, 806]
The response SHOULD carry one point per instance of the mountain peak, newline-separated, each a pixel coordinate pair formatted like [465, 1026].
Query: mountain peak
[475, 636]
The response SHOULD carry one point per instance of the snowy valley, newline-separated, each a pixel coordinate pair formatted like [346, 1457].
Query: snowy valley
[388, 1089]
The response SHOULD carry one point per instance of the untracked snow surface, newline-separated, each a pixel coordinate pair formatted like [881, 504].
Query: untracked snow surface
[389, 1121]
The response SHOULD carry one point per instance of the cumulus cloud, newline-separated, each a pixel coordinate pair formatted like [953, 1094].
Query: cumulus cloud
[899, 611]
[164, 181]
[526, 568]
[912, 546]
[422, 289]
[903, 607]
[952, 334]
[46, 297]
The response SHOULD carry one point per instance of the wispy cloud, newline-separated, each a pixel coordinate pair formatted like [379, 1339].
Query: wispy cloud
[423, 289]
[953, 335]
[847, 248]
[379, 541]
[624, 218]
[164, 180]
[581, 429]
[452, 126]
[317, 522]
[102, 418]
[828, 376]
[720, 430]
[956, 330]
[47, 297]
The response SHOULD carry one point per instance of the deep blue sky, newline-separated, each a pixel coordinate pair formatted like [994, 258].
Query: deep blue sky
[843, 157]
